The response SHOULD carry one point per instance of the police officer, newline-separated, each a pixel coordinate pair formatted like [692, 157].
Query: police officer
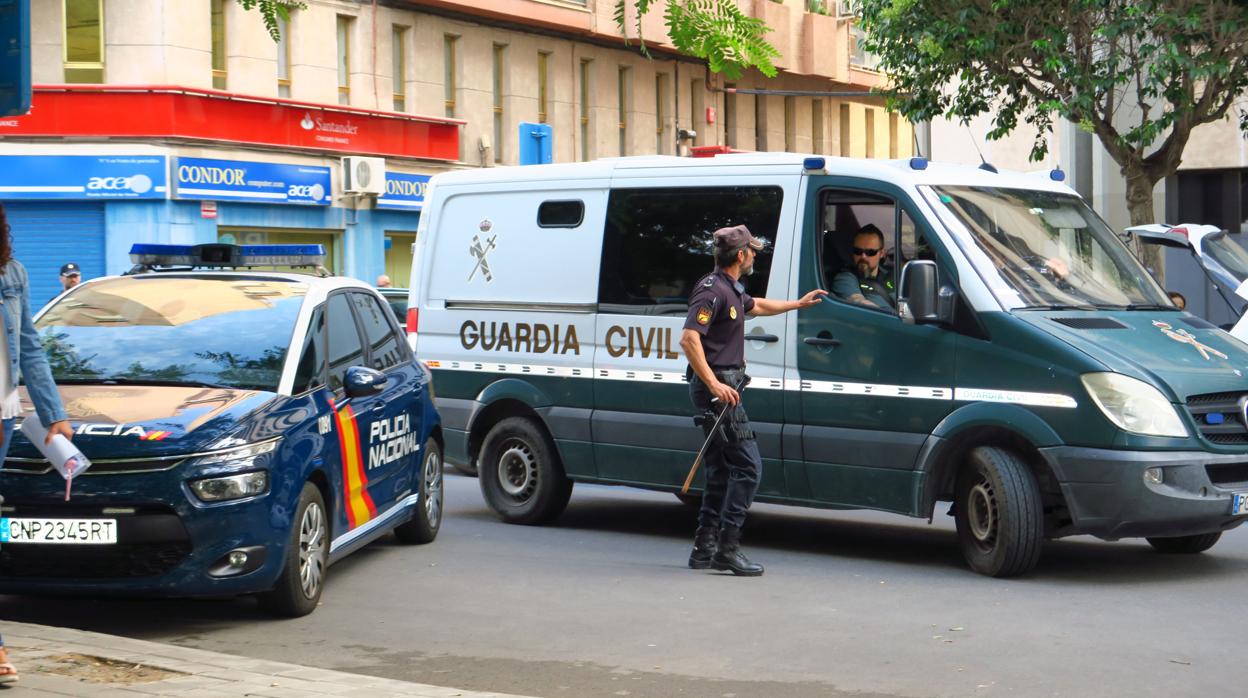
[867, 283]
[714, 344]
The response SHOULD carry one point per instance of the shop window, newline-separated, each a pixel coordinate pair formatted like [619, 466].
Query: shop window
[500, 55]
[449, 67]
[845, 131]
[345, 349]
[385, 347]
[816, 125]
[870, 132]
[622, 106]
[730, 115]
[84, 41]
[543, 87]
[560, 214]
[760, 122]
[790, 124]
[585, 67]
[219, 56]
[310, 373]
[660, 114]
[658, 243]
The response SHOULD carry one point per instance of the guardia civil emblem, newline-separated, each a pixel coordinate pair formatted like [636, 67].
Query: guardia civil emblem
[1184, 337]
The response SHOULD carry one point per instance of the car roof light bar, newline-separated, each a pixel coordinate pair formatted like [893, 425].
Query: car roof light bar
[222, 256]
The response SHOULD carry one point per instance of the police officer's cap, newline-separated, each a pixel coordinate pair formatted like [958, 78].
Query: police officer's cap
[735, 237]
[70, 269]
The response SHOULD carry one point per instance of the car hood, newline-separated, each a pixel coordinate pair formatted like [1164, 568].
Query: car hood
[1186, 353]
[139, 421]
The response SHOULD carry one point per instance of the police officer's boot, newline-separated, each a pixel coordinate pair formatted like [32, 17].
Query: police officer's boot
[729, 558]
[703, 548]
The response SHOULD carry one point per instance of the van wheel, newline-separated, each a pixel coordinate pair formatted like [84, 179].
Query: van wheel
[424, 524]
[299, 587]
[1185, 545]
[999, 513]
[521, 477]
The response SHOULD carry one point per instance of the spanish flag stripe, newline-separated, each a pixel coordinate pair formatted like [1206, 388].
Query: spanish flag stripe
[359, 505]
[347, 471]
[359, 467]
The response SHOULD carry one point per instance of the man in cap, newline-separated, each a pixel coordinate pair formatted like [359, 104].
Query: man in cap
[71, 276]
[714, 344]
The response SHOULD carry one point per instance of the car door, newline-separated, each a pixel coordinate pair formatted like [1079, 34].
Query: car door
[392, 441]
[363, 496]
[872, 387]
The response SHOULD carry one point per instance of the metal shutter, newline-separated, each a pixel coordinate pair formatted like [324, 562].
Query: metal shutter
[47, 234]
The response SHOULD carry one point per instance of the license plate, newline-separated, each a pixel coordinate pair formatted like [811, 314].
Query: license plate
[63, 531]
[1239, 505]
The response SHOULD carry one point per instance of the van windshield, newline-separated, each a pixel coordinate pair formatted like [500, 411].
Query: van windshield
[1039, 249]
[173, 330]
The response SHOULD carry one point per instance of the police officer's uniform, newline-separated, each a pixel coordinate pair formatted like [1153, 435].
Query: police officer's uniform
[717, 311]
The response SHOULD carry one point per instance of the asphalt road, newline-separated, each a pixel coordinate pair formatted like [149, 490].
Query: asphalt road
[601, 604]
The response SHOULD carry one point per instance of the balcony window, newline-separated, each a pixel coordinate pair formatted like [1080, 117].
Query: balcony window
[398, 60]
[344, 59]
[84, 41]
[448, 79]
[283, 57]
[219, 58]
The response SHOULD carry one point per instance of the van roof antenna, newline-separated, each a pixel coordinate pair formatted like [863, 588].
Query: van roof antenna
[983, 164]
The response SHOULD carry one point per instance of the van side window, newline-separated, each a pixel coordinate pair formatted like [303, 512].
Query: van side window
[345, 349]
[858, 248]
[560, 214]
[657, 243]
[310, 373]
[384, 346]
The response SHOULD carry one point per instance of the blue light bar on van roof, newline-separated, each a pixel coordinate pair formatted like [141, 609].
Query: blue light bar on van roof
[227, 256]
[810, 164]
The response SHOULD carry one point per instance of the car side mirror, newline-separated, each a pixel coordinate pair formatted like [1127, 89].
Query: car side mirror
[361, 381]
[923, 301]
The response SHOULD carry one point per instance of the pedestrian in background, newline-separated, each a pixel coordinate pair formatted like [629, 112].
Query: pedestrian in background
[383, 281]
[714, 344]
[22, 355]
[1179, 301]
[71, 276]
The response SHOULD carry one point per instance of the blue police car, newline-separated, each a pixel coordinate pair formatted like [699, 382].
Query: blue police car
[246, 428]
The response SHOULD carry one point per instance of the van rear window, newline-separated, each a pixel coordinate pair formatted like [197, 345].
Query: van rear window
[657, 243]
[560, 214]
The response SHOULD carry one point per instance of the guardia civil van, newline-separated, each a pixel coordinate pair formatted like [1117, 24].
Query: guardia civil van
[1031, 372]
[247, 428]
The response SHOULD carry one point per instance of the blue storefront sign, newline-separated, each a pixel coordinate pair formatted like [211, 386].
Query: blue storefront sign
[255, 182]
[404, 191]
[32, 177]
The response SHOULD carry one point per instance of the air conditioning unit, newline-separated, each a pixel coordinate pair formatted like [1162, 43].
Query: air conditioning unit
[848, 8]
[364, 175]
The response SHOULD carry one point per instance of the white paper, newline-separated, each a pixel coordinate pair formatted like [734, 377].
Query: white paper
[61, 453]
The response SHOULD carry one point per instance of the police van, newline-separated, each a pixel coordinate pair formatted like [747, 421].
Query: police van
[1029, 371]
[246, 428]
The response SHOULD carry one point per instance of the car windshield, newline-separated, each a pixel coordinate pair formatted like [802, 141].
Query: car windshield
[193, 330]
[1039, 249]
[1225, 251]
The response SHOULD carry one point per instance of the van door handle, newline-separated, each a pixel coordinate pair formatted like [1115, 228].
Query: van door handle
[822, 341]
[762, 338]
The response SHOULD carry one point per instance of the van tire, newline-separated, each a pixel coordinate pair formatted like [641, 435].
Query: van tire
[521, 477]
[1185, 545]
[288, 597]
[999, 513]
[427, 519]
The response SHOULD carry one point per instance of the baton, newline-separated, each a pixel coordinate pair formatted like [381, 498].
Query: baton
[702, 451]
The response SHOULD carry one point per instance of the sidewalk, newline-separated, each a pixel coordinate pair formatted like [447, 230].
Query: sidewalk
[64, 662]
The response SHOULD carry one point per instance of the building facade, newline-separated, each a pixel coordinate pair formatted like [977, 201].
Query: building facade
[186, 122]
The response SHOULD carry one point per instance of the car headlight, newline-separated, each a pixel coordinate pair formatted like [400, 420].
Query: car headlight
[241, 455]
[1134, 405]
[220, 489]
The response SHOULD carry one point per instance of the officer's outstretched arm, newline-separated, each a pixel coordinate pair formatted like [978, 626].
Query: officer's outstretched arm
[763, 307]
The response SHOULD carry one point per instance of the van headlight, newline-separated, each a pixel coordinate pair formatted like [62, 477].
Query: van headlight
[1134, 405]
[220, 489]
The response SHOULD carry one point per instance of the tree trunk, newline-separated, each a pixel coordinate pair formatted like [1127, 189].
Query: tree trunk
[1140, 207]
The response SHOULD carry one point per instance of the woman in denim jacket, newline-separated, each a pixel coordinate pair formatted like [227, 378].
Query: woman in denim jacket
[21, 354]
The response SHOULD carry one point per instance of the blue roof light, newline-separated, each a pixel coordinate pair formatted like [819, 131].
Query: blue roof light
[918, 163]
[1057, 175]
[227, 256]
[814, 164]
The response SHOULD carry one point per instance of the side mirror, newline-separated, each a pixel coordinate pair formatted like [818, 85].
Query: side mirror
[361, 381]
[923, 300]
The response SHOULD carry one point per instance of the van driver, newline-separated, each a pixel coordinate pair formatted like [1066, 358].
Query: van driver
[867, 283]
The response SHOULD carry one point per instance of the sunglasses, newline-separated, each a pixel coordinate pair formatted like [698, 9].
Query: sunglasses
[865, 251]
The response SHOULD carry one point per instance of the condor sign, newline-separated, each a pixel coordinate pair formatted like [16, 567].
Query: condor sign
[257, 182]
[404, 191]
[82, 177]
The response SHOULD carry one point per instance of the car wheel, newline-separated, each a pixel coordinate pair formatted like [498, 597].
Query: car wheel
[1185, 545]
[299, 587]
[999, 513]
[424, 524]
[521, 477]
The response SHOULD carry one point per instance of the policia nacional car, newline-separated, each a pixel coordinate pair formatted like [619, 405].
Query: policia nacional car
[246, 429]
[1028, 369]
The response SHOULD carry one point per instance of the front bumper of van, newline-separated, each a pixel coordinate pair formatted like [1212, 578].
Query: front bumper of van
[1108, 496]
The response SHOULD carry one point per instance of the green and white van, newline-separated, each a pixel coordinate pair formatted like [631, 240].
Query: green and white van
[1033, 373]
